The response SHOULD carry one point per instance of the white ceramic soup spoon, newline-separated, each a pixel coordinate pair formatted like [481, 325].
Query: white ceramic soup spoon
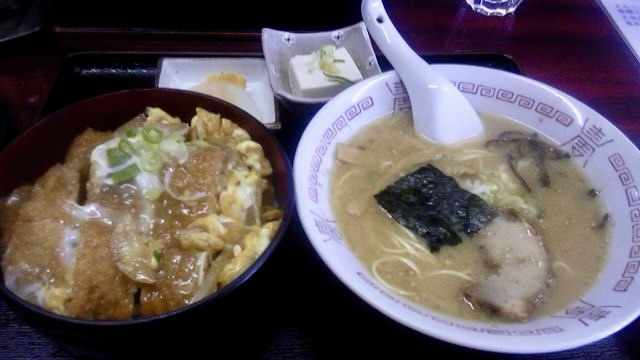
[440, 112]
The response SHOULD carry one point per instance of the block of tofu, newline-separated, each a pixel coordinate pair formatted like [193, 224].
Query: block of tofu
[308, 80]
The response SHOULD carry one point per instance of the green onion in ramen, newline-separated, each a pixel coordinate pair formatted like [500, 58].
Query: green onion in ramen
[505, 228]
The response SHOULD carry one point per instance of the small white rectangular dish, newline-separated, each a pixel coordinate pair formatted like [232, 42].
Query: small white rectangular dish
[188, 72]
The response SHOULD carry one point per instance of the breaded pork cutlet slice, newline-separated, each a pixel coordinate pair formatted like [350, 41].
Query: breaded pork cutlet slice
[78, 156]
[182, 263]
[177, 282]
[47, 232]
[100, 289]
[38, 261]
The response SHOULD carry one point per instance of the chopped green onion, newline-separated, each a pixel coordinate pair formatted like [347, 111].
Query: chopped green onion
[115, 156]
[152, 135]
[152, 161]
[156, 257]
[127, 147]
[338, 60]
[152, 194]
[175, 137]
[326, 62]
[338, 79]
[125, 174]
[327, 51]
[145, 149]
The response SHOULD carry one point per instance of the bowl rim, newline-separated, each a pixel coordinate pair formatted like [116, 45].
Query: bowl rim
[285, 178]
[315, 130]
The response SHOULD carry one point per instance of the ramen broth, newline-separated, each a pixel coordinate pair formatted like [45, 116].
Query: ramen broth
[567, 214]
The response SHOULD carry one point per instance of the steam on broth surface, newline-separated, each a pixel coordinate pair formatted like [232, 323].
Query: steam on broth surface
[553, 196]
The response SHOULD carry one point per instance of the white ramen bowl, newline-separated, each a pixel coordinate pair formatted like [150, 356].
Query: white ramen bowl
[610, 159]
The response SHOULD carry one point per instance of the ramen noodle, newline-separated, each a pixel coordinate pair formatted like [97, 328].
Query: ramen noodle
[540, 249]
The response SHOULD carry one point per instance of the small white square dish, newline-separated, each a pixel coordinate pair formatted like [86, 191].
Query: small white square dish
[194, 73]
[280, 46]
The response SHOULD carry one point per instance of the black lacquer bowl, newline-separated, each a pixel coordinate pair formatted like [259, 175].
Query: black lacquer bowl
[44, 144]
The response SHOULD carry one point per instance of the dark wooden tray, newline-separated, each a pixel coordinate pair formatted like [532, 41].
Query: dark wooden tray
[83, 75]
[294, 308]
[88, 74]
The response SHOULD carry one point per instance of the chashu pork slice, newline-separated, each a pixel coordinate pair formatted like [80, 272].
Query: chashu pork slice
[519, 268]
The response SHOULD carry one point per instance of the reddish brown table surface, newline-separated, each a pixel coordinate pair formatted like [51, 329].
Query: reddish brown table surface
[569, 44]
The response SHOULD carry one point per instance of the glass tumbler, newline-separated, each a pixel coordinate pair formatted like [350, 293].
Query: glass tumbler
[494, 7]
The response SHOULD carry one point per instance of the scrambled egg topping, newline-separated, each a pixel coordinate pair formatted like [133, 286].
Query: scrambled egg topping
[151, 217]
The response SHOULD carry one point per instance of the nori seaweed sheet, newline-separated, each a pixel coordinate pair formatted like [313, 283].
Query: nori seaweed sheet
[432, 205]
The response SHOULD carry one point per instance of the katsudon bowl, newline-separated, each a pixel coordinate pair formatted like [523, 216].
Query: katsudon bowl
[39, 148]
[333, 152]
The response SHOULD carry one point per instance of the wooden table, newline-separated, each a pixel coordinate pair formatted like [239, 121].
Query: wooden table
[568, 44]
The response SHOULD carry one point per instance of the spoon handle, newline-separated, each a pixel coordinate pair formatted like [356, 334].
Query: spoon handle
[393, 46]
[440, 111]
